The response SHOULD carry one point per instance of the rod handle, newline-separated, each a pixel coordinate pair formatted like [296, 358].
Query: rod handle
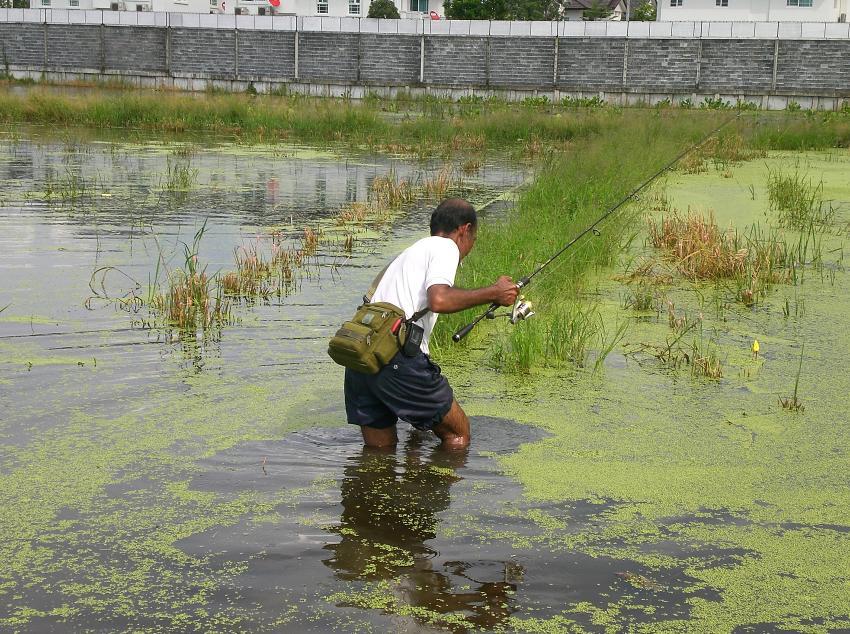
[462, 332]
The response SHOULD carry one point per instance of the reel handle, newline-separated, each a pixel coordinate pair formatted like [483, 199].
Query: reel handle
[462, 332]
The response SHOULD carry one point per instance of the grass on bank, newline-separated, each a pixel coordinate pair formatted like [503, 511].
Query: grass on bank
[313, 119]
[570, 192]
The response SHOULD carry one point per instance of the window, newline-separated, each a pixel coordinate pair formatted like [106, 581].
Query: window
[322, 6]
[45, 3]
[799, 3]
[73, 3]
[721, 3]
[419, 5]
[354, 7]
[675, 3]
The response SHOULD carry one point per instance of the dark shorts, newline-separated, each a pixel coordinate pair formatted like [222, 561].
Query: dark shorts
[407, 388]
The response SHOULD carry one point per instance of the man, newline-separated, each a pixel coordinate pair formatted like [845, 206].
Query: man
[411, 388]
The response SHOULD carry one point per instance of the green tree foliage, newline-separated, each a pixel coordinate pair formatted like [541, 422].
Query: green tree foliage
[643, 12]
[504, 9]
[383, 9]
[597, 11]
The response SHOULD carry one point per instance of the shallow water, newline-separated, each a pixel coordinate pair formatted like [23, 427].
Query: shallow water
[161, 485]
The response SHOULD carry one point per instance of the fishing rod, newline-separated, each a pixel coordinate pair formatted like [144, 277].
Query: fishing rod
[522, 308]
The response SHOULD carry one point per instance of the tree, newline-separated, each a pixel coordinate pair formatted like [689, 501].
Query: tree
[644, 12]
[596, 11]
[383, 9]
[503, 9]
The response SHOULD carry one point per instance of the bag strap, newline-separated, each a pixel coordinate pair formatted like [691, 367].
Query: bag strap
[367, 298]
[370, 293]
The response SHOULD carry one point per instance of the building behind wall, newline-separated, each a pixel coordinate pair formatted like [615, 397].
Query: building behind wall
[752, 10]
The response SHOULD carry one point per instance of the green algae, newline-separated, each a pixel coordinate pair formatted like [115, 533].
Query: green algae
[707, 467]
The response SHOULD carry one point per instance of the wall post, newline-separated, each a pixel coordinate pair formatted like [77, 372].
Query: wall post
[422, 58]
[555, 65]
[168, 45]
[235, 54]
[699, 64]
[775, 64]
[625, 61]
[296, 49]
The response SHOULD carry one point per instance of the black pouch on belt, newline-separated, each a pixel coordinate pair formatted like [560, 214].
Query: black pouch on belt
[412, 339]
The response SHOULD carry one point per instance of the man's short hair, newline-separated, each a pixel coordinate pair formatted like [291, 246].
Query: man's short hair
[451, 214]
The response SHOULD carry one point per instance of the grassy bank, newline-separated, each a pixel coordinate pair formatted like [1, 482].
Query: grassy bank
[301, 118]
[572, 190]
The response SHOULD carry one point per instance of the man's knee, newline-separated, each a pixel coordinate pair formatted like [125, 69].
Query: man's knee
[454, 429]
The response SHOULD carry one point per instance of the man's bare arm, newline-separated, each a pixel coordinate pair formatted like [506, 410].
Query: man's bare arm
[443, 298]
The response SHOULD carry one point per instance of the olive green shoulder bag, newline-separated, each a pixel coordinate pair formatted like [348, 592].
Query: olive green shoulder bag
[375, 334]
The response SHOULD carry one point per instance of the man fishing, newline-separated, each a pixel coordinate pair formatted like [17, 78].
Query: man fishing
[411, 388]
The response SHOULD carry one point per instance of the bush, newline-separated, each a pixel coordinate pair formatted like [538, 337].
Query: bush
[383, 9]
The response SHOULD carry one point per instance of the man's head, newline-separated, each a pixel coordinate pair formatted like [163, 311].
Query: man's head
[454, 218]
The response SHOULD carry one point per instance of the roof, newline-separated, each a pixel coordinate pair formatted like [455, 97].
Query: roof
[586, 4]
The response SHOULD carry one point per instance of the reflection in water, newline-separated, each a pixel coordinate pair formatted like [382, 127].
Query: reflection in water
[390, 507]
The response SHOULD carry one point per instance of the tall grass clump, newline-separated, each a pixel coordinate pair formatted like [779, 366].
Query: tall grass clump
[797, 200]
[754, 260]
[192, 302]
[569, 335]
[571, 190]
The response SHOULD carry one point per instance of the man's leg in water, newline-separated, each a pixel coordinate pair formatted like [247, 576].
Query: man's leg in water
[453, 430]
[385, 437]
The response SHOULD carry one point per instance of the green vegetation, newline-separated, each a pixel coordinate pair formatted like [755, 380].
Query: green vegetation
[383, 9]
[798, 200]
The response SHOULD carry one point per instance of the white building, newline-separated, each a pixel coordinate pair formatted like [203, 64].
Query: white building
[174, 6]
[337, 8]
[752, 10]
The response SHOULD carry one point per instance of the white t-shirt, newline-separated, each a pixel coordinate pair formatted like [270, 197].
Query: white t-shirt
[429, 261]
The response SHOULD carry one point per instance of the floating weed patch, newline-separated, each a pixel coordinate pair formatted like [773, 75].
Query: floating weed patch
[179, 176]
[437, 186]
[754, 261]
[192, 302]
[797, 200]
[391, 192]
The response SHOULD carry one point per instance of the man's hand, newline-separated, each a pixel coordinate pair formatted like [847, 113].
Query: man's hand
[505, 291]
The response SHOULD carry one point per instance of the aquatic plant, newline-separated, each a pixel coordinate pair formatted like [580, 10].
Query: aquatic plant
[754, 260]
[793, 403]
[390, 192]
[798, 201]
[436, 187]
[704, 358]
[193, 302]
[180, 176]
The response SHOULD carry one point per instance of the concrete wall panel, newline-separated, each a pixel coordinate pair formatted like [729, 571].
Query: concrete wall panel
[22, 44]
[456, 61]
[588, 64]
[208, 52]
[73, 46]
[267, 54]
[129, 48]
[522, 62]
[731, 66]
[389, 60]
[662, 65]
[328, 57]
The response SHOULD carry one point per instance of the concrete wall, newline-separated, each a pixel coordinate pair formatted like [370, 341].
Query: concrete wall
[769, 63]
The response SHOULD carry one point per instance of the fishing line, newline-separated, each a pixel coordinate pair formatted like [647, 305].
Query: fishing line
[525, 281]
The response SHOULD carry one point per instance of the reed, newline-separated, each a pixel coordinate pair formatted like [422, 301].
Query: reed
[797, 200]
